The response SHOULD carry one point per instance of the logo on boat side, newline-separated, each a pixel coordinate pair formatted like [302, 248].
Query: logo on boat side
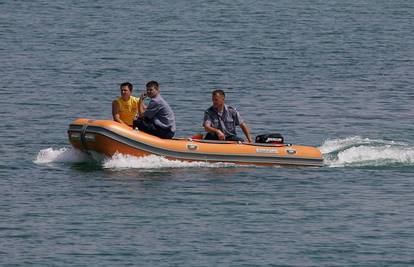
[273, 139]
[192, 147]
[266, 150]
[291, 151]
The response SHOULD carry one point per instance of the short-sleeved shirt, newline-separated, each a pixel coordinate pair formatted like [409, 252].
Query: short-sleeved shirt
[160, 113]
[226, 121]
[127, 109]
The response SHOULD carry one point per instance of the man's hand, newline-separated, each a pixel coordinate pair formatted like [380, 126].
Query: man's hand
[141, 105]
[220, 135]
[143, 96]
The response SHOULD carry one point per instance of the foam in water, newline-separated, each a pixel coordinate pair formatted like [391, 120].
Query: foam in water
[120, 161]
[357, 151]
[50, 155]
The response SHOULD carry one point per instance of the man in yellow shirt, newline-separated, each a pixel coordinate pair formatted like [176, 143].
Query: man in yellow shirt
[125, 107]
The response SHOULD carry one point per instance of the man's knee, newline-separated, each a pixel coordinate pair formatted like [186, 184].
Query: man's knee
[210, 136]
[150, 128]
[137, 123]
[234, 138]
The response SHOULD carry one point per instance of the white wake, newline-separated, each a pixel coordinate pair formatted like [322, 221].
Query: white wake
[358, 151]
[119, 161]
[63, 155]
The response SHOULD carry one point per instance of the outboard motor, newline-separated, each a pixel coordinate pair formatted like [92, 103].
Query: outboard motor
[273, 138]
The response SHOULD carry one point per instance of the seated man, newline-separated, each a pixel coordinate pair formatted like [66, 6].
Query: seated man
[157, 118]
[125, 107]
[220, 120]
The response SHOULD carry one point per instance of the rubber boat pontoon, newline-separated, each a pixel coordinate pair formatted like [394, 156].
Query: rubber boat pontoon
[107, 138]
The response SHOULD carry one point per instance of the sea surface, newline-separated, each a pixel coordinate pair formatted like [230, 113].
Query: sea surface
[338, 75]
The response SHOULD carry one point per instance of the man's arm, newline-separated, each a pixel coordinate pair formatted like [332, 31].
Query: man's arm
[141, 105]
[208, 128]
[242, 124]
[246, 132]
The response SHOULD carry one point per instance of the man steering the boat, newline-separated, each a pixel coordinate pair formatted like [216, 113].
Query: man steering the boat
[157, 118]
[125, 107]
[220, 120]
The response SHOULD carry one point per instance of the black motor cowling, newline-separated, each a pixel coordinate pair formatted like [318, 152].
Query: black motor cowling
[273, 138]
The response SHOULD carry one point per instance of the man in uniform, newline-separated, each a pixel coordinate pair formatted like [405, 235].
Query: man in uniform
[220, 120]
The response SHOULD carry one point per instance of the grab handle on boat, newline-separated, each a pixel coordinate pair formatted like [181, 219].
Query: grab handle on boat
[83, 139]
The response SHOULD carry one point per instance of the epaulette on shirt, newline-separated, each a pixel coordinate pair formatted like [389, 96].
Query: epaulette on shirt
[231, 108]
[232, 111]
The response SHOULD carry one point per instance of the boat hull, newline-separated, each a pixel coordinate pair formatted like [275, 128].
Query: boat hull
[109, 137]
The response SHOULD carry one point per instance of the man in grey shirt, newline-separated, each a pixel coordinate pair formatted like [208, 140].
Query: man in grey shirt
[220, 120]
[157, 118]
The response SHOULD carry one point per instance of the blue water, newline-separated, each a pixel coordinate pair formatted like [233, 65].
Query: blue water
[338, 75]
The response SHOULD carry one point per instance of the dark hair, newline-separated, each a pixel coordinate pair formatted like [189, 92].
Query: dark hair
[152, 84]
[219, 92]
[127, 84]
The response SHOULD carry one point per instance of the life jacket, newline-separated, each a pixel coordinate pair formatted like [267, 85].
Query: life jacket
[128, 109]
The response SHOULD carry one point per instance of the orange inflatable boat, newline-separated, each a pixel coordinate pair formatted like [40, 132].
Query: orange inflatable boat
[106, 138]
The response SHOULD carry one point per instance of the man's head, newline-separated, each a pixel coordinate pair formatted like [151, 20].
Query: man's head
[126, 90]
[218, 97]
[153, 89]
